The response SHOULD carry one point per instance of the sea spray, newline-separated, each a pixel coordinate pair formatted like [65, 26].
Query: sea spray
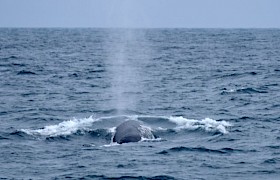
[207, 124]
[86, 124]
[64, 128]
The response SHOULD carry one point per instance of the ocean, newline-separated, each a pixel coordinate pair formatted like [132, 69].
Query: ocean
[210, 96]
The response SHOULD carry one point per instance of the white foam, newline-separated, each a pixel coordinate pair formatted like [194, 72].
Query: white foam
[111, 144]
[146, 132]
[63, 128]
[207, 124]
[73, 125]
[112, 130]
[151, 140]
[230, 90]
[161, 129]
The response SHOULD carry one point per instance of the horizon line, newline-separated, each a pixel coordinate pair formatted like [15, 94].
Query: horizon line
[118, 27]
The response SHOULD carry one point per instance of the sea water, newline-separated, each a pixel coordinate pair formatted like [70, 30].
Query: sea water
[211, 97]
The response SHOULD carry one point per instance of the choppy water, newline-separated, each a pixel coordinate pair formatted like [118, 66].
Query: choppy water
[211, 96]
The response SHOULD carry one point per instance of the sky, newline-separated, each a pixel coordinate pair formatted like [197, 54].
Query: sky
[141, 13]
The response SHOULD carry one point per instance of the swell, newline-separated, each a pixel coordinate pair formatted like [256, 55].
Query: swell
[238, 74]
[163, 177]
[25, 72]
[198, 150]
[248, 90]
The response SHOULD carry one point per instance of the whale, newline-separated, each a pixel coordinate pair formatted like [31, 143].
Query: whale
[131, 131]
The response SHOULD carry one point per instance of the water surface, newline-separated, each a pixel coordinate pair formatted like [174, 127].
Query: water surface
[211, 96]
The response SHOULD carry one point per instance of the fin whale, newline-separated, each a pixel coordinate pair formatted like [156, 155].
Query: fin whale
[129, 131]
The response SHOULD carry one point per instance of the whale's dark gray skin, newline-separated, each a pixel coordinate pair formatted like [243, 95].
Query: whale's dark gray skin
[128, 131]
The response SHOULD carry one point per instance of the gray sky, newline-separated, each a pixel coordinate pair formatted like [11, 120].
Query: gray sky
[141, 13]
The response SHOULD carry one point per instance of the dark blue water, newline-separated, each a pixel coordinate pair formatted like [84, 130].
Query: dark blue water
[211, 97]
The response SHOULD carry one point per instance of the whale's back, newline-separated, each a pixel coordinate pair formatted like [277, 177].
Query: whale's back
[128, 131]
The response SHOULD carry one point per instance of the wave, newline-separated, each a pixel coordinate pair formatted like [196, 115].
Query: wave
[271, 161]
[242, 91]
[163, 177]
[3, 138]
[63, 128]
[24, 72]
[199, 149]
[239, 74]
[207, 124]
[102, 126]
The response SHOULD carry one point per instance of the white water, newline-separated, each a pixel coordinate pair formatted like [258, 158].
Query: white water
[85, 124]
[64, 128]
[207, 124]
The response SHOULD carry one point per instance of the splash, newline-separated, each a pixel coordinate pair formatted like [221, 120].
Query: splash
[86, 124]
[63, 128]
[207, 124]
[146, 132]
